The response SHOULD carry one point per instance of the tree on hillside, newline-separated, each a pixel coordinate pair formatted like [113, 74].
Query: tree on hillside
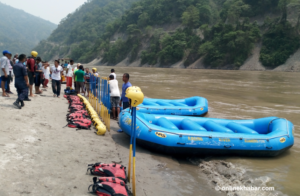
[190, 18]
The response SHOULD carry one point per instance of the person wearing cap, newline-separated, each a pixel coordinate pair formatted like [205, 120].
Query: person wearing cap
[21, 82]
[31, 70]
[4, 72]
[113, 73]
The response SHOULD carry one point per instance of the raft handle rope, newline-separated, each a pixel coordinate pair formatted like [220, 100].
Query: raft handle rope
[287, 125]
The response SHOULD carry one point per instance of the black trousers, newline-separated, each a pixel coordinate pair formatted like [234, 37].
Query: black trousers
[56, 87]
[8, 82]
[22, 93]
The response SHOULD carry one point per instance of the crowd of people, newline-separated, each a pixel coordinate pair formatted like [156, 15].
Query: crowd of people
[32, 71]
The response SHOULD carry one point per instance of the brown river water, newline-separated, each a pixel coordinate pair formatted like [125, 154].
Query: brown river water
[231, 95]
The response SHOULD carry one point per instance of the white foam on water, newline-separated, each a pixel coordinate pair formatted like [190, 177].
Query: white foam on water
[226, 174]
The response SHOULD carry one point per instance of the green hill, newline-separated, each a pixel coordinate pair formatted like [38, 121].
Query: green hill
[80, 31]
[20, 31]
[163, 32]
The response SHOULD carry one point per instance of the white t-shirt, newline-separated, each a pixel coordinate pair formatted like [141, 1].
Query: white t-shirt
[96, 74]
[46, 72]
[70, 72]
[56, 72]
[114, 88]
[115, 76]
[4, 63]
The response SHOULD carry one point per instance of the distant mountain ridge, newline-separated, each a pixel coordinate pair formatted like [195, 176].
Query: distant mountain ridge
[215, 34]
[21, 31]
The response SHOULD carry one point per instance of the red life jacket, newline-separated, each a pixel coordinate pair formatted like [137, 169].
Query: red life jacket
[31, 64]
[109, 187]
[80, 124]
[108, 170]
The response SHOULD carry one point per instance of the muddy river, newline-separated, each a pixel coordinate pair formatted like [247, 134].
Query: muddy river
[231, 95]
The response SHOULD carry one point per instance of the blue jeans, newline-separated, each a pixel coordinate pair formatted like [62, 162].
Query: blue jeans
[56, 87]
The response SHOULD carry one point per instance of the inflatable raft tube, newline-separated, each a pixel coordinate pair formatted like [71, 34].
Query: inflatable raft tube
[181, 135]
[193, 106]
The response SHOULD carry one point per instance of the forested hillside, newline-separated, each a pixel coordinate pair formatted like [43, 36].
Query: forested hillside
[20, 31]
[223, 32]
[80, 31]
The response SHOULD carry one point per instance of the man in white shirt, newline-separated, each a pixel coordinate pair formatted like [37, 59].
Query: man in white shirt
[56, 72]
[114, 95]
[113, 73]
[4, 71]
[69, 73]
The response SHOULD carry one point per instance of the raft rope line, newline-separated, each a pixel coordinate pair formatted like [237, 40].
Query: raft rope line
[212, 136]
[171, 108]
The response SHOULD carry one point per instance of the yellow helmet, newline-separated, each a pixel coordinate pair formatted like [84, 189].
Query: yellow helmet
[94, 69]
[34, 53]
[136, 96]
[133, 88]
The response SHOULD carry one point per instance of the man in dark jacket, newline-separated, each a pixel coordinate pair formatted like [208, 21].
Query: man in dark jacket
[21, 81]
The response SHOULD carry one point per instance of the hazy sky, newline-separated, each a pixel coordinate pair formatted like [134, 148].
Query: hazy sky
[51, 10]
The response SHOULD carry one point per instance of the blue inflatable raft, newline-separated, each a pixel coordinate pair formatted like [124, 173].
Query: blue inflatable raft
[193, 106]
[208, 136]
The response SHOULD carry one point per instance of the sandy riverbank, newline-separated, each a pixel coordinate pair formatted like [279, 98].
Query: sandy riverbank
[40, 157]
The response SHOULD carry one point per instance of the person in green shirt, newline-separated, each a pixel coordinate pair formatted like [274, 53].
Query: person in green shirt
[79, 75]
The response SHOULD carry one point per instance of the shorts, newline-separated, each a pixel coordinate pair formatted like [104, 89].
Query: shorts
[4, 79]
[79, 85]
[87, 86]
[37, 80]
[114, 101]
[31, 78]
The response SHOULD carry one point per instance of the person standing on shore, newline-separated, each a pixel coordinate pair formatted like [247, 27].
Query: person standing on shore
[112, 72]
[114, 96]
[79, 74]
[21, 81]
[56, 72]
[10, 76]
[69, 73]
[31, 71]
[126, 85]
[46, 71]
[16, 60]
[87, 78]
[4, 64]
[74, 77]
[38, 75]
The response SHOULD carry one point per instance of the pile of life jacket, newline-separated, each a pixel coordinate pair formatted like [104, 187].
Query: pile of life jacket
[111, 181]
[77, 117]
